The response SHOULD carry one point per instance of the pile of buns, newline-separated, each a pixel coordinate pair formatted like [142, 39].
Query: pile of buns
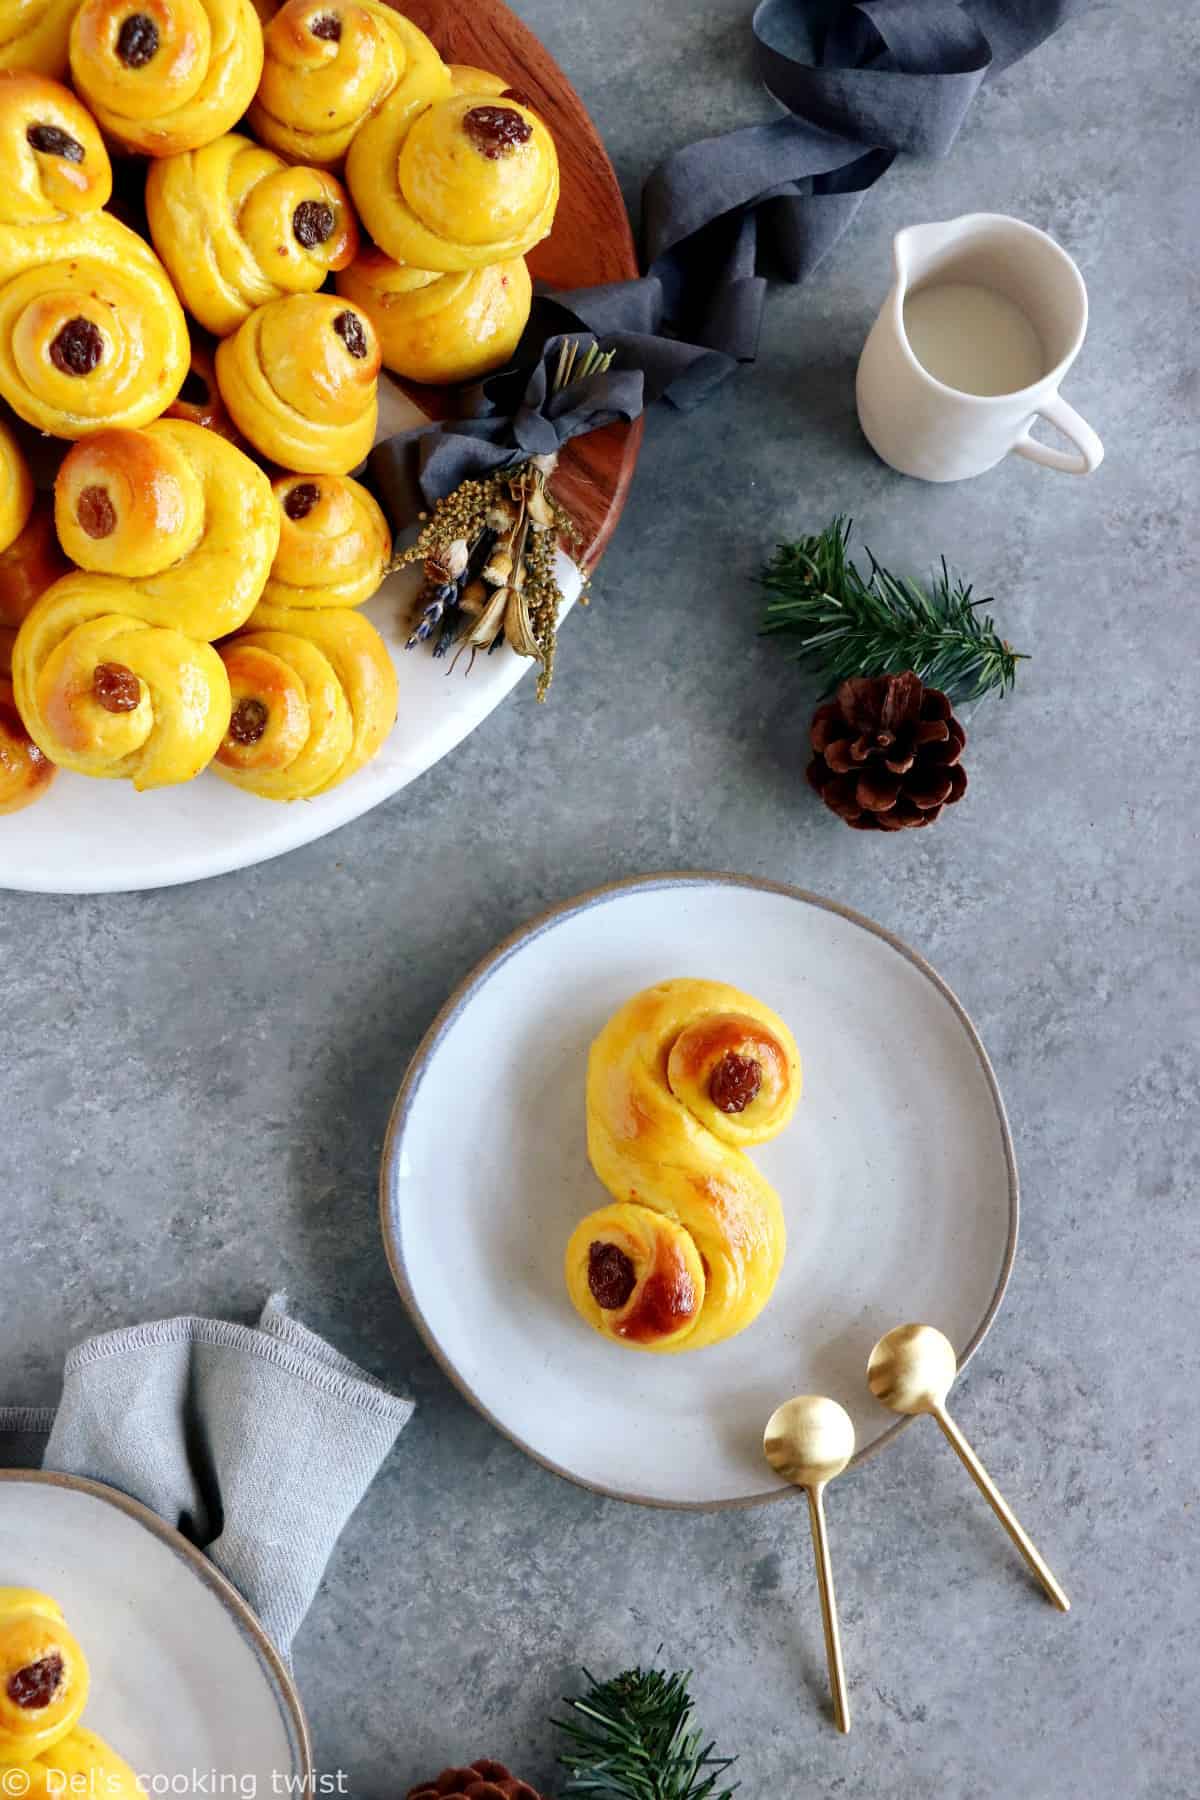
[187, 596]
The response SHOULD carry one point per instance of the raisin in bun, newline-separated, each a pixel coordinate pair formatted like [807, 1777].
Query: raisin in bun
[334, 543]
[436, 327]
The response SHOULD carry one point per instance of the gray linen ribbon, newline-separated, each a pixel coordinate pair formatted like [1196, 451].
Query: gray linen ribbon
[861, 82]
[256, 1443]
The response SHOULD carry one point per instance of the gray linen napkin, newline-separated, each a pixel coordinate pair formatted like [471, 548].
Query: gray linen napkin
[257, 1444]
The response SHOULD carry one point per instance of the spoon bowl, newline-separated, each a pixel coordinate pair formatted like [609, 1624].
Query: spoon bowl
[809, 1440]
[912, 1369]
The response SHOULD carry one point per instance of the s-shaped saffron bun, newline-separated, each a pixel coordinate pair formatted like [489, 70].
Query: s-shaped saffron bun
[34, 33]
[82, 1764]
[467, 181]
[681, 1081]
[314, 697]
[25, 774]
[43, 1676]
[166, 75]
[300, 380]
[441, 328]
[236, 226]
[16, 488]
[91, 332]
[334, 543]
[113, 669]
[329, 65]
[53, 164]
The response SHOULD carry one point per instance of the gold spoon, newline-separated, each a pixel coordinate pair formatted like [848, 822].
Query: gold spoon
[911, 1370]
[808, 1441]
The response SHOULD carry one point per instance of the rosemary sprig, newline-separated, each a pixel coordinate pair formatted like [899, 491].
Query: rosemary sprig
[883, 624]
[631, 1739]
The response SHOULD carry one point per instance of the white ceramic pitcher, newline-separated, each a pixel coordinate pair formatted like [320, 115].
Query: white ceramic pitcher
[922, 427]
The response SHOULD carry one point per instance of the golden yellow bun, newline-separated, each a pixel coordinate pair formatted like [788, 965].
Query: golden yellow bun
[236, 226]
[91, 332]
[16, 488]
[114, 670]
[166, 75]
[467, 181]
[300, 380]
[28, 567]
[25, 774]
[34, 33]
[199, 401]
[465, 79]
[52, 158]
[334, 543]
[82, 1764]
[314, 697]
[680, 1082]
[43, 1675]
[441, 328]
[329, 65]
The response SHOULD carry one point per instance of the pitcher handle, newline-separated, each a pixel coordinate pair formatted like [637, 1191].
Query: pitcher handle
[1064, 418]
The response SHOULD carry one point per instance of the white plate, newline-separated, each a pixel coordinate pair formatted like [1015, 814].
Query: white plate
[97, 837]
[183, 1678]
[897, 1177]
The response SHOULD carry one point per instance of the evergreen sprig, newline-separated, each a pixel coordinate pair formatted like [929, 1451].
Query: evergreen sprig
[631, 1739]
[883, 624]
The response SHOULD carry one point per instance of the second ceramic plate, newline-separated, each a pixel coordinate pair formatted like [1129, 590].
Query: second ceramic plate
[897, 1178]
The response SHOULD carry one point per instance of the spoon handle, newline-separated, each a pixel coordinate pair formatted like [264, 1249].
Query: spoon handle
[1003, 1511]
[829, 1618]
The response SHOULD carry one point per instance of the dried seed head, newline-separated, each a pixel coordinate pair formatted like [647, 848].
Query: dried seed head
[498, 569]
[518, 631]
[475, 597]
[500, 518]
[490, 621]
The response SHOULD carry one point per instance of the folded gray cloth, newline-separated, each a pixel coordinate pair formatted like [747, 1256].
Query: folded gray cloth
[257, 1444]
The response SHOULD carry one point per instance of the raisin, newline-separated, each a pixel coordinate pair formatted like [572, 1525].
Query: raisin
[78, 347]
[117, 688]
[36, 1685]
[327, 26]
[349, 328]
[54, 142]
[137, 40]
[519, 95]
[496, 130]
[248, 723]
[611, 1276]
[312, 223]
[734, 1082]
[96, 512]
[299, 501]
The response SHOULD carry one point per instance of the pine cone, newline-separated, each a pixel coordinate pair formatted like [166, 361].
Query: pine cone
[885, 753]
[484, 1780]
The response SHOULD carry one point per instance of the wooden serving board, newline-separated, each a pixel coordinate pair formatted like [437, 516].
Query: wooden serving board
[591, 241]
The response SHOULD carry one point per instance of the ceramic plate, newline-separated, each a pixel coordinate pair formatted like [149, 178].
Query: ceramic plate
[97, 837]
[184, 1681]
[897, 1178]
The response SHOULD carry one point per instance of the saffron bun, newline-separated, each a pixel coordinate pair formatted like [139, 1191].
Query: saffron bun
[34, 34]
[236, 226]
[82, 1763]
[53, 163]
[441, 327]
[43, 1676]
[334, 543]
[329, 65]
[92, 334]
[113, 669]
[16, 488]
[314, 697]
[300, 381]
[166, 75]
[466, 181]
[684, 1078]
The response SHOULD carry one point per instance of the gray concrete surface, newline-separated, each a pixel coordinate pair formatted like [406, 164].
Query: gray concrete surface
[196, 1082]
